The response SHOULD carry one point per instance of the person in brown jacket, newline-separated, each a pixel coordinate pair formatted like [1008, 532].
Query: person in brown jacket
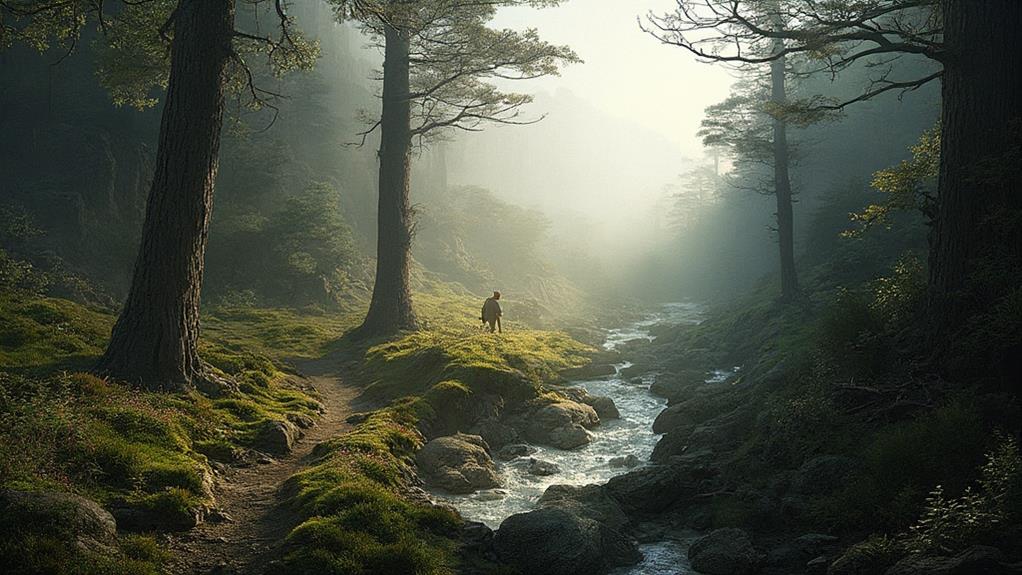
[491, 312]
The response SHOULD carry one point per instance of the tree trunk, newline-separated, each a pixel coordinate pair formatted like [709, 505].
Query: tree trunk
[391, 308]
[154, 341]
[782, 184]
[976, 245]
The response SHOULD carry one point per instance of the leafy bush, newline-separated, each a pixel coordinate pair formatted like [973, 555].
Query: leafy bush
[988, 515]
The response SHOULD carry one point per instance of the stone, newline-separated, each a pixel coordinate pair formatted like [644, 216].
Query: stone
[561, 424]
[592, 370]
[658, 486]
[630, 460]
[542, 468]
[976, 560]
[677, 387]
[514, 451]
[553, 541]
[589, 501]
[727, 551]
[276, 437]
[495, 433]
[604, 407]
[457, 463]
[63, 515]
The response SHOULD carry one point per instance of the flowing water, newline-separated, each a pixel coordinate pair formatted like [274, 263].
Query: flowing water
[613, 441]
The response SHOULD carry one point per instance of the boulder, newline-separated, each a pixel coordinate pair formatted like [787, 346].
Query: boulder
[592, 370]
[676, 387]
[627, 461]
[514, 451]
[726, 551]
[672, 444]
[657, 486]
[543, 468]
[589, 501]
[495, 433]
[141, 519]
[276, 437]
[457, 463]
[561, 424]
[553, 541]
[62, 515]
[976, 560]
[602, 405]
[674, 417]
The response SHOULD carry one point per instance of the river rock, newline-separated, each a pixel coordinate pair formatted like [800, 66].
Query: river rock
[542, 468]
[552, 541]
[276, 437]
[561, 424]
[589, 371]
[630, 460]
[589, 501]
[602, 405]
[675, 416]
[978, 560]
[495, 433]
[62, 515]
[657, 486]
[726, 551]
[514, 451]
[676, 387]
[457, 463]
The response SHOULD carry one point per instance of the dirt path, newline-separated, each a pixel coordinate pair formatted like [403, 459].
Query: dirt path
[248, 495]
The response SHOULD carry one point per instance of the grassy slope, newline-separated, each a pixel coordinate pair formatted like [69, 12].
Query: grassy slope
[820, 378]
[64, 429]
[359, 518]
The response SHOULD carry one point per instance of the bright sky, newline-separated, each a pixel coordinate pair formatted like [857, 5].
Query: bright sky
[627, 73]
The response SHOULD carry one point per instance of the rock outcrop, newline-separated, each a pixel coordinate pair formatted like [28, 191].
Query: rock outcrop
[457, 463]
[726, 551]
[553, 541]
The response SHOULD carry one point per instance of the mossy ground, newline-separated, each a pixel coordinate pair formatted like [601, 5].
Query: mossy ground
[358, 519]
[62, 428]
[65, 429]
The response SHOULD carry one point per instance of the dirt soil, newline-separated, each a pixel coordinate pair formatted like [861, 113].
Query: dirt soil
[250, 539]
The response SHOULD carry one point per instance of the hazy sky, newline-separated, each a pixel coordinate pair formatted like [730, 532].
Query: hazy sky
[627, 73]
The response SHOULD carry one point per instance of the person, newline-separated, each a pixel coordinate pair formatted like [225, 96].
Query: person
[491, 312]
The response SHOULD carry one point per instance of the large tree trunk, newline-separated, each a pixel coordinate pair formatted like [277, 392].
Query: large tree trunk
[976, 245]
[782, 184]
[154, 341]
[391, 308]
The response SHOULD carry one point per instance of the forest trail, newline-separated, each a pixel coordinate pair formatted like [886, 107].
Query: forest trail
[257, 523]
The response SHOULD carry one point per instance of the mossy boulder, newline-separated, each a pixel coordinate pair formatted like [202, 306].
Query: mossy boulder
[457, 463]
[276, 436]
[553, 541]
[64, 516]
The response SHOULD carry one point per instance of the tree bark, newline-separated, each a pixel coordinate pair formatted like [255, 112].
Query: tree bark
[977, 239]
[391, 308]
[782, 183]
[154, 342]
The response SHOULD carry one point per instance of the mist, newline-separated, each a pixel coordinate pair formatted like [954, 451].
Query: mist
[541, 287]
